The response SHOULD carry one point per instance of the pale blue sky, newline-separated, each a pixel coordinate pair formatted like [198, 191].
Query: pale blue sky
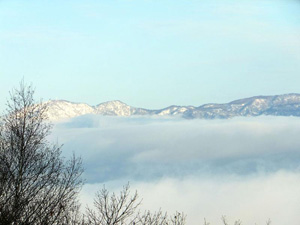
[150, 53]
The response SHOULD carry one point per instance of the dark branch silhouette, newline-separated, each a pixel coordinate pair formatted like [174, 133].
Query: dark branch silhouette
[37, 186]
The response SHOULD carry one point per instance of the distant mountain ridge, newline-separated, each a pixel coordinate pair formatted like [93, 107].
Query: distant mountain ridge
[277, 105]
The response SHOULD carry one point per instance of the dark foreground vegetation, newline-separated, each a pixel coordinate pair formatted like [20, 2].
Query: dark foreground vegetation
[39, 187]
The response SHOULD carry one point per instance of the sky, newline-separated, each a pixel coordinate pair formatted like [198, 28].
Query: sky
[156, 53]
[244, 168]
[150, 53]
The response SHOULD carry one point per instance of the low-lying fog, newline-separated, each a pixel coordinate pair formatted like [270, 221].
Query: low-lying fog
[244, 168]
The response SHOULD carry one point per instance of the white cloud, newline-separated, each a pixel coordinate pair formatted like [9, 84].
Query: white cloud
[245, 168]
[137, 147]
[253, 200]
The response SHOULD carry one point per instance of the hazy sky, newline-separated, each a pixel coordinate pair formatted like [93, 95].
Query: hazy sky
[150, 53]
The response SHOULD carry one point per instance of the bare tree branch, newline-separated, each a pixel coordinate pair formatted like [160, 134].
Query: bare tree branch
[36, 185]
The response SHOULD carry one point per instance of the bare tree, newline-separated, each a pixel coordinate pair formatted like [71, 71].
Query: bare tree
[112, 209]
[224, 220]
[148, 218]
[37, 186]
[237, 222]
[177, 219]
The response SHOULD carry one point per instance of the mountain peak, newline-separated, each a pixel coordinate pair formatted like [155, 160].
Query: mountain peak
[114, 108]
[276, 105]
[113, 102]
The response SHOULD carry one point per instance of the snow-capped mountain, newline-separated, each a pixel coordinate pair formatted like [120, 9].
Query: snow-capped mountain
[61, 109]
[118, 108]
[278, 105]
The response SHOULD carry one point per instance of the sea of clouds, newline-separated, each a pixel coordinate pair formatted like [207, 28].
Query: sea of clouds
[244, 168]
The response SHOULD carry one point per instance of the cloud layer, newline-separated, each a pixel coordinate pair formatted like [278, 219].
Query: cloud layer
[147, 148]
[253, 200]
[246, 168]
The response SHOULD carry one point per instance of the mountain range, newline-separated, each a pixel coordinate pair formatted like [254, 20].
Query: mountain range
[277, 105]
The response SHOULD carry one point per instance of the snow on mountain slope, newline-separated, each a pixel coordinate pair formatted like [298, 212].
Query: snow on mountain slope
[173, 110]
[113, 108]
[61, 109]
[118, 108]
[278, 105]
